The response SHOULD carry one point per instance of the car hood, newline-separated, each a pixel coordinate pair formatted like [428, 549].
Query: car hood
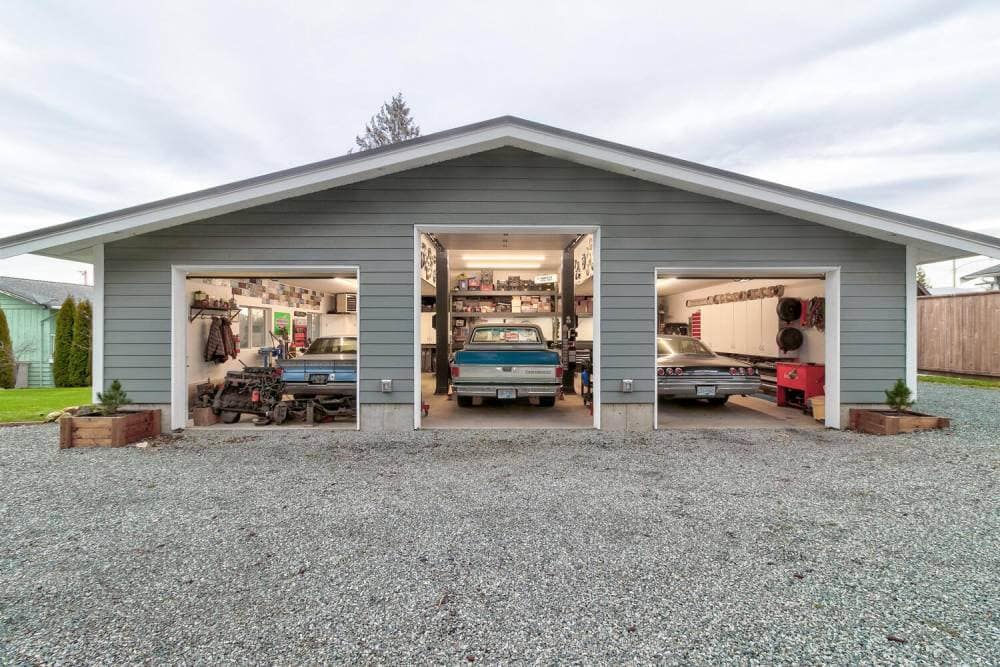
[700, 360]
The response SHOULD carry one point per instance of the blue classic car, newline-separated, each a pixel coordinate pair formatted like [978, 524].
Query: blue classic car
[329, 367]
[506, 362]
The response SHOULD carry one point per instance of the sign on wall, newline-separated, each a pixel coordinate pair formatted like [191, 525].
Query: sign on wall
[428, 260]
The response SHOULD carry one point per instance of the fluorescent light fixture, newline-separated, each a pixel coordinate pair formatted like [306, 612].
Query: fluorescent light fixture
[502, 265]
[510, 257]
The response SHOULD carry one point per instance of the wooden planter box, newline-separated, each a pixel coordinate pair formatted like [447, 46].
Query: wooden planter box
[889, 422]
[116, 431]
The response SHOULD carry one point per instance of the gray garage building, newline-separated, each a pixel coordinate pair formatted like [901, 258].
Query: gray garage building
[649, 214]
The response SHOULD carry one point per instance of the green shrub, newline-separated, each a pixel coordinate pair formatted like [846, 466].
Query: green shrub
[64, 344]
[112, 399]
[7, 361]
[899, 397]
[79, 357]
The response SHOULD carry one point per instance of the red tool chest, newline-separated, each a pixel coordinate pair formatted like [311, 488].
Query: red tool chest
[797, 382]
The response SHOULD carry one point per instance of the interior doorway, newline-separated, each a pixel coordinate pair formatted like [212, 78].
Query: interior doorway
[507, 327]
[265, 348]
[747, 348]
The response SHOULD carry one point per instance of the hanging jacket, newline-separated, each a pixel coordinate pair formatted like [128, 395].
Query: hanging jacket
[214, 345]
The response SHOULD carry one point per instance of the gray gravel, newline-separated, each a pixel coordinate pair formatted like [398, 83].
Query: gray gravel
[696, 547]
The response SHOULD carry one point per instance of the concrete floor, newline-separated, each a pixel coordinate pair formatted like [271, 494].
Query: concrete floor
[739, 412]
[567, 413]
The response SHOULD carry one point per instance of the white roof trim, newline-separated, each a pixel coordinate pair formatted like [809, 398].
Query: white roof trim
[934, 240]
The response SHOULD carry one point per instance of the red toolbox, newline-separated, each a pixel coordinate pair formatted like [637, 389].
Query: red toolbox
[798, 382]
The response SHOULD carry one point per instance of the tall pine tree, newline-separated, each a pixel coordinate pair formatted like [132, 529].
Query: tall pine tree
[64, 343]
[390, 125]
[7, 361]
[79, 359]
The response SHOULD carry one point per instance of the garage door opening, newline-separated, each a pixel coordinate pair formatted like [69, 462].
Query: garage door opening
[743, 351]
[506, 323]
[267, 350]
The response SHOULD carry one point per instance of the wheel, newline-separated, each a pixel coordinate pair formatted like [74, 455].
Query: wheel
[546, 401]
[464, 401]
[280, 413]
[718, 400]
[229, 417]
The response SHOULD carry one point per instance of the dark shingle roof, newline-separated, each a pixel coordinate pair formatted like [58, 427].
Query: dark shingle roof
[44, 292]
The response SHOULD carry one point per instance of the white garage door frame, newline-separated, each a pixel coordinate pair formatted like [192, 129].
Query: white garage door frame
[506, 229]
[831, 274]
[180, 308]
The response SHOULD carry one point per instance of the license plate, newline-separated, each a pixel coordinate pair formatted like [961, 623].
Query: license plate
[705, 390]
[317, 379]
[506, 393]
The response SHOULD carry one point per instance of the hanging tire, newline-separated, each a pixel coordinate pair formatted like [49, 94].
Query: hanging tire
[789, 309]
[789, 338]
[464, 401]
[229, 417]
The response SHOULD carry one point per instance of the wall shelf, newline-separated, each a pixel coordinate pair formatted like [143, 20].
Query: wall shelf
[501, 314]
[488, 293]
[198, 312]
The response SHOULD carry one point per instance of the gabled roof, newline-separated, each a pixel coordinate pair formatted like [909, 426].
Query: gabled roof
[991, 272]
[44, 292]
[933, 241]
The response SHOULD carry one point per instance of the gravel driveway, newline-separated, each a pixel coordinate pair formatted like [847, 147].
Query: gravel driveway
[696, 546]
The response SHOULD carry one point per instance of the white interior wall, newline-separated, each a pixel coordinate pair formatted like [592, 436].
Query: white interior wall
[199, 370]
[814, 343]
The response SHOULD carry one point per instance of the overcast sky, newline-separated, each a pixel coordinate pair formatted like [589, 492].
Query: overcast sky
[105, 105]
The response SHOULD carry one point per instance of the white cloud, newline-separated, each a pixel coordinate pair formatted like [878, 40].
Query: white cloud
[108, 105]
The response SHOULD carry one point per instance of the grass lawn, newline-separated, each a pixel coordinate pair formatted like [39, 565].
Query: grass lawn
[25, 405]
[962, 382]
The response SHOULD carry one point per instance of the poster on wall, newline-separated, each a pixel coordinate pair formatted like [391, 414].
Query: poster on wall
[583, 260]
[428, 260]
[282, 323]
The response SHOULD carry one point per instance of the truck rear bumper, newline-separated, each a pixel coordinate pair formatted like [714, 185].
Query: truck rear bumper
[489, 390]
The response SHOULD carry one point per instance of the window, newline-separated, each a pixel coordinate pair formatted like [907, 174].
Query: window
[334, 345]
[253, 327]
[680, 345]
[505, 335]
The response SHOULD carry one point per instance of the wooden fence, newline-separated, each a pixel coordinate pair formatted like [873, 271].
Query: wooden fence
[959, 333]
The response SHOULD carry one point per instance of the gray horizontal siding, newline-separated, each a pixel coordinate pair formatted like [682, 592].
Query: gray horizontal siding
[370, 224]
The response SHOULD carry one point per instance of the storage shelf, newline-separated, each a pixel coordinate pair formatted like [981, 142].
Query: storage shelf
[502, 314]
[197, 312]
[505, 293]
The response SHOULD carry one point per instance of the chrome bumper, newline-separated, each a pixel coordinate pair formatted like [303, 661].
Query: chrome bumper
[682, 387]
[490, 390]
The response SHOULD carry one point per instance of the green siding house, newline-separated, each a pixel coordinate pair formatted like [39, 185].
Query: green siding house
[31, 307]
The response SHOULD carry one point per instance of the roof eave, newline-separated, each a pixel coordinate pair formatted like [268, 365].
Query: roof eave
[932, 241]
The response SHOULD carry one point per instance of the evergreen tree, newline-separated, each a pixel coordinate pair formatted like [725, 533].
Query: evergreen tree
[64, 343]
[112, 399]
[922, 279]
[7, 361]
[79, 360]
[390, 125]
[900, 397]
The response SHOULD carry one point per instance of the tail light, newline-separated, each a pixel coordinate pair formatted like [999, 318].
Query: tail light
[678, 371]
[559, 372]
[454, 371]
[732, 371]
[661, 371]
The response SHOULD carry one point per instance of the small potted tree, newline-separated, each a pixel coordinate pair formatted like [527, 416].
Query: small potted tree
[106, 424]
[898, 418]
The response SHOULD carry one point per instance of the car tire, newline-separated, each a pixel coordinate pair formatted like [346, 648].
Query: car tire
[546, 401]
[229, 417]
[718, 400]
[464, 401]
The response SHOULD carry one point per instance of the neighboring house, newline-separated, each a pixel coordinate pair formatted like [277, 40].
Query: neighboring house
[507, 176]
[31, 307]
[988, 278]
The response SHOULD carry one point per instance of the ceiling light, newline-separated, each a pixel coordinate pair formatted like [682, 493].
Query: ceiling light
[502, 265]
[504, 258]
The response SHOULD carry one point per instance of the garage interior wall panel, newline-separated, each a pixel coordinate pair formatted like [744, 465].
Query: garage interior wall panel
[370, 224]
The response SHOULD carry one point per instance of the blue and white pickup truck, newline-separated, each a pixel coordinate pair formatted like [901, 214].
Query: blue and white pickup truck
[328, 368]
[506, 362]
